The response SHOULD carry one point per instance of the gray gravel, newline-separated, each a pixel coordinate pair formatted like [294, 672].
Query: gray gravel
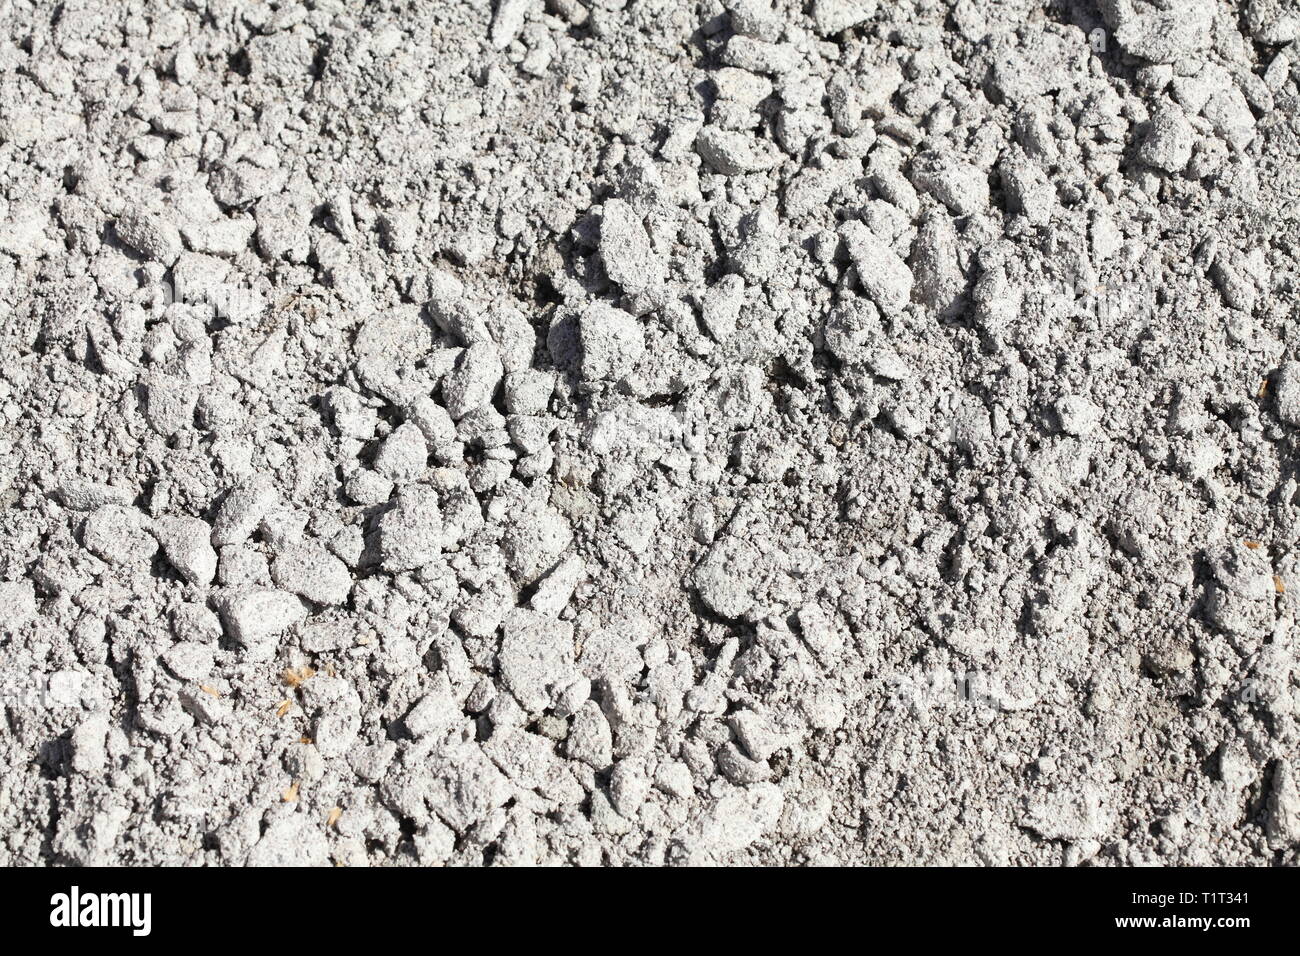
[650, 432]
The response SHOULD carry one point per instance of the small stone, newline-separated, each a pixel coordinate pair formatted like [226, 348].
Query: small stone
[1168, 142]
[410, 533]
[403, 456]
[758, 56]
[195, 623]
[189, 660]
[80, 495]
[740, 769]
[242, 510]
[835, 16]
[528, 392]
[119, 534]
[1286, 393]
[434, 423]
[721, 306]
[883, 275]
[589, 737]
[187, 544]
[1273, 22]
[471, 384]
[674, 778]
[349, 414]
[729, 152]
[629, 785]
[611, 342]
[1230, 115]
[536, 659]
[89, 744]
[1167, 36]
[754, 734]
[290, 841]
[851, 330]
[17, 604]
[625, 248]
[1077, 415]
[168, 403]
[724, 578]
[963, 188]
[554, 591]
[367, 487]
[1282, 814]
[255, 618]
[435, 713]
[309, 570]
[150, 235]
[534, 542]
[507, 22]
[283, 227]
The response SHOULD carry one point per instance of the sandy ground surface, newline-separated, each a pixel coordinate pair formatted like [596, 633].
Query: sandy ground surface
[649, 432]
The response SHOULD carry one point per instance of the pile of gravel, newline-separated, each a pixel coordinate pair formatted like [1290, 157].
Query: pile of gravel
[650, 432]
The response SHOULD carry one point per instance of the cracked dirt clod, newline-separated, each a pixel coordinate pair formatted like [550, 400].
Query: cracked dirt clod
[663, 432]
